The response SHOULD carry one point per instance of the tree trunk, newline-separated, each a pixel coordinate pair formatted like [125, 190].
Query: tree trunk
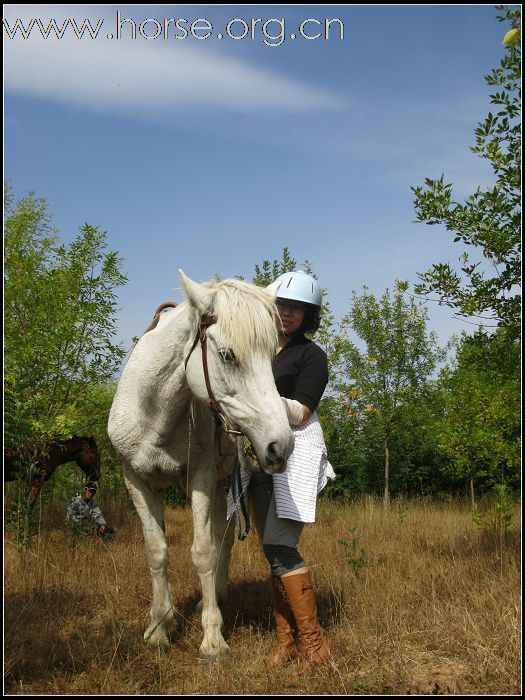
[472, 495]
[386, 495]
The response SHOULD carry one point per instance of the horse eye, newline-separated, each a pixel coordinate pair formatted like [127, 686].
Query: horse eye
[228, 355]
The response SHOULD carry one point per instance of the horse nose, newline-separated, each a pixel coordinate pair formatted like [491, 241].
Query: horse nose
[275, 458]
[94, 474]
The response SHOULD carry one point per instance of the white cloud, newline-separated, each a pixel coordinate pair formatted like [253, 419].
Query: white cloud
[150, 78]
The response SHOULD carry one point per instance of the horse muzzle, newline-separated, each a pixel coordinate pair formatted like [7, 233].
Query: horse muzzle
[93, 475]
[276, 456]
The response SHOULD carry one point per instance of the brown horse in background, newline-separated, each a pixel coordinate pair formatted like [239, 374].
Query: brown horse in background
[82, 450]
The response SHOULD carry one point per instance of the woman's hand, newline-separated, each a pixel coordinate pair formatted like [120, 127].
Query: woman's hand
[296, 412]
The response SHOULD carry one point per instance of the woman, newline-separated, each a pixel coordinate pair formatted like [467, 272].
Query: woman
[283, 503]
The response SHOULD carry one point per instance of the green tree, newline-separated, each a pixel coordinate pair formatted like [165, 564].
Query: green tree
[354, 446]
[268, 271]
[354, 438]
[489, 221]
[480, 432]
[59, 322]
[392, 366]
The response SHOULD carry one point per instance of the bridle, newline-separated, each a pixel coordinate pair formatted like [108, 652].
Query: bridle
[222, 422]
[201, 336]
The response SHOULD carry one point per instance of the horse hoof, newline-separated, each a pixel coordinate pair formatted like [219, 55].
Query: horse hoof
[212, 659]
[207, 659]
[157, 641]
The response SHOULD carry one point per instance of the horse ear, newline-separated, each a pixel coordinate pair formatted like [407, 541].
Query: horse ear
[198, 295]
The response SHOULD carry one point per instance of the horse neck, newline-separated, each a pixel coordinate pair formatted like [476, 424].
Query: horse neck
[167, 344]
[65, 451]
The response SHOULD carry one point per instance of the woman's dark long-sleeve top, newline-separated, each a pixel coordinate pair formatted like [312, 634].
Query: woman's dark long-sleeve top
[300, 371]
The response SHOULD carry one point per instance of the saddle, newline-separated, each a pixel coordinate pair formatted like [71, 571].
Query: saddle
[160, 309]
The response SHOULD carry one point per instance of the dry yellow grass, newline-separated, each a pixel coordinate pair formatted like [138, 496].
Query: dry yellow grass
[415, 601]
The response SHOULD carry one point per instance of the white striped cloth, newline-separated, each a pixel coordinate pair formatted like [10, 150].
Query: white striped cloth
[307, 473]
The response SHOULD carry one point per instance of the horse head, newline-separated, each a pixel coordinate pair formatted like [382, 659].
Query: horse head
[240, 342]
[88, 457]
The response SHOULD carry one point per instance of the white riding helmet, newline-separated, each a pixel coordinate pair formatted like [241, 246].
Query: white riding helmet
[297, 286]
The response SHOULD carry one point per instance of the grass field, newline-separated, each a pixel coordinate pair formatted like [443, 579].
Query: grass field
[417, 600]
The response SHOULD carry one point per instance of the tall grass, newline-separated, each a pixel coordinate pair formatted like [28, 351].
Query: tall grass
[416, 600]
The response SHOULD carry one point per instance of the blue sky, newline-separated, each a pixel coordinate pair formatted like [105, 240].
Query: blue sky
[212, 155]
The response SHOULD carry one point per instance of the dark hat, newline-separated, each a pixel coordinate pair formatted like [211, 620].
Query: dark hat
[91, 486]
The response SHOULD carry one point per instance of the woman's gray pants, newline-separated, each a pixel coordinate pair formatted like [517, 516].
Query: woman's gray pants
[279, 536]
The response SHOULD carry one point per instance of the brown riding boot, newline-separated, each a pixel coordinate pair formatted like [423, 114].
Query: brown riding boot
[300, 593]
[285, 628]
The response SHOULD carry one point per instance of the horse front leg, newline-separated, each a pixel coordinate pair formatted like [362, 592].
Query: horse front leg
[205, 553]
[223, 535]
[149, 505]
[36, 486]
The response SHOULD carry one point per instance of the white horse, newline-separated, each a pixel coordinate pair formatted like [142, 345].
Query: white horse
[164, 431]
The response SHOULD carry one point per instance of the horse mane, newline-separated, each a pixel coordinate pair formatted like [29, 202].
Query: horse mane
[87, 438]
[246, 318]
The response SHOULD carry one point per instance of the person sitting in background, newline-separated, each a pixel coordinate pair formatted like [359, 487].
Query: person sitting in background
[84, 509]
